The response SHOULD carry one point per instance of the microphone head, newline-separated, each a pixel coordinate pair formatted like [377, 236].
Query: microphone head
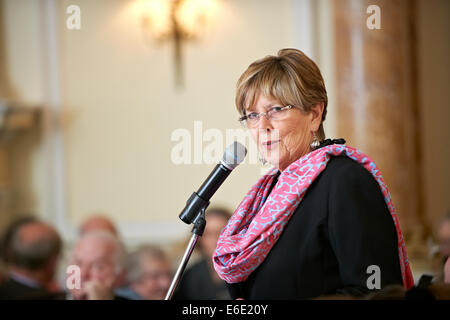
[234, 154]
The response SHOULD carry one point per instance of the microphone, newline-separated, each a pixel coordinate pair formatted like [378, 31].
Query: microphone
[234, 154]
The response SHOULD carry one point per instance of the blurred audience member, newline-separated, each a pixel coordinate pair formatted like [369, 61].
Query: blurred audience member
[441, 291]
[148, 273]
[443, 235]
[31, 249]
[98, 222]
[5, 242]
[201, 282]
[101, 258]
[447, 271]
[424, 290]
[390, 292]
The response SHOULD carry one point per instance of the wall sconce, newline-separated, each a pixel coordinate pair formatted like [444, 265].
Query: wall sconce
[177, 21]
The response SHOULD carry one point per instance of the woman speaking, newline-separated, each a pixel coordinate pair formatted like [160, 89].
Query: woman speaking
[322, 222]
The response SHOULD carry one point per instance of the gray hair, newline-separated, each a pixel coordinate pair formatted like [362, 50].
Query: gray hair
[134, 265]
[120, 256]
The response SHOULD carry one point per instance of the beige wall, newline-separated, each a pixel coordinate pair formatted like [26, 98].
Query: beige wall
[120, 107]
[125, 108]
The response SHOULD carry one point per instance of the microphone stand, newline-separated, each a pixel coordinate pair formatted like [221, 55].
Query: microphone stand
[194, 211]
[197, 231]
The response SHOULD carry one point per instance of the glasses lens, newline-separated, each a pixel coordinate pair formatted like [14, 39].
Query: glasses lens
[278, 113]
[252, 122]
[252, 119]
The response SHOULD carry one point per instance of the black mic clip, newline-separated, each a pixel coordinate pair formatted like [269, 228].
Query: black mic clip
[194, 213]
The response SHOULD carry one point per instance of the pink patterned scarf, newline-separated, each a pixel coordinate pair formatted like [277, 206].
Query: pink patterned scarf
[258, 223]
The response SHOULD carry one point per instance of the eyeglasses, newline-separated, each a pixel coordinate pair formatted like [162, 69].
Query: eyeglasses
[276, 113]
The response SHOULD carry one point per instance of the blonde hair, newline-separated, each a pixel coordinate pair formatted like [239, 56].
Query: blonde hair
[290, 77]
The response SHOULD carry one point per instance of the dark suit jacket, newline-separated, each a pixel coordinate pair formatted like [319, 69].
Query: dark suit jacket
[197, 284]
[14, 290]
[340, 228]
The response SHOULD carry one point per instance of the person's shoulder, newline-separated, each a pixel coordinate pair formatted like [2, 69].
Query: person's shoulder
[343, 164]
[10, 284]
[13, 290]
[199, 266]
[342, 169]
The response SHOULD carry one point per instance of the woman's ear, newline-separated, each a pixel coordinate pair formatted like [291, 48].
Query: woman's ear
[316, 116]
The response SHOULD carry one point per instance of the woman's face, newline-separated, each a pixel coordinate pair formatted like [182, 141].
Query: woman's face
[281, 142]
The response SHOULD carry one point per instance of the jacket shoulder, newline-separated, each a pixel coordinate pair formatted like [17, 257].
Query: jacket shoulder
[344, 167]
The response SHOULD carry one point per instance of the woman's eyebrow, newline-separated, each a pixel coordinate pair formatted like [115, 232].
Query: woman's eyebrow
[266, 107]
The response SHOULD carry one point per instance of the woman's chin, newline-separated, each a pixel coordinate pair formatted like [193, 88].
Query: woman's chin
[272, 158]
[274, 162]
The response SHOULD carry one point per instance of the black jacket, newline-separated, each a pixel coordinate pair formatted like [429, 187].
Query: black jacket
[197, 284]
[340, 228]
[14, 290]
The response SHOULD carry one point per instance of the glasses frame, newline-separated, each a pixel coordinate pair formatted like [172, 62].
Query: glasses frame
[267, 115]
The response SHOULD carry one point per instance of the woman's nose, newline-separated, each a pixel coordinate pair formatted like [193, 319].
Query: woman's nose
[264, 123]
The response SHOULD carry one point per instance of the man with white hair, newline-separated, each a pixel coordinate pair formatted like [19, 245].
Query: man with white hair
[98, 222]
[100, 258]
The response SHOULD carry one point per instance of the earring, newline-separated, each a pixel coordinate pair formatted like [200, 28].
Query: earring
[315, 143]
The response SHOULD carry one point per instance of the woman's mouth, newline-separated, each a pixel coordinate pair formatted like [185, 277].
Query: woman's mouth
[270, 144]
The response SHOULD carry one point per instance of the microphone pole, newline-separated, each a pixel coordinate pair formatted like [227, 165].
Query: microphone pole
[197, 231]
[194, 211]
